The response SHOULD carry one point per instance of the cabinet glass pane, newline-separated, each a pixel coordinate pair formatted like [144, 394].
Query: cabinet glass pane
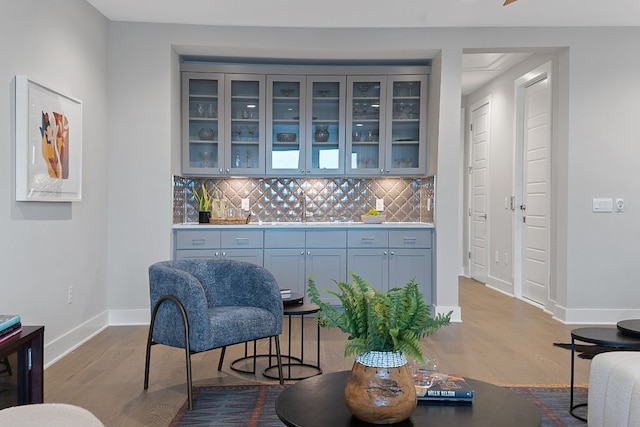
[365, 125]
[325, 120]
[245, 124]
[203, 123]
[405, 124]
[286, 131]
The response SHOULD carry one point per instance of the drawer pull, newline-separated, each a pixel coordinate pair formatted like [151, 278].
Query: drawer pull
[242, 240]
[368, 239]
[197, 242]
[410, 239]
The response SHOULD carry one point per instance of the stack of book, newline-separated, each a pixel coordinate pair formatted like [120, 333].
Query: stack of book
[10, 325]
[285, 293]
[445, 388]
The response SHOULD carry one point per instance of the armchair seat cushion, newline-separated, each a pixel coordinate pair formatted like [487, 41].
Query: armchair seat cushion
[232, 325]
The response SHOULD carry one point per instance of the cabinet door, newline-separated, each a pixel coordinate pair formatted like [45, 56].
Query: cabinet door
[245, 124]
[325, 137]
[370, 264]
[202, 123]
[288, 268]
[327, 265]
[405, 264]
[253, 256]
[406, 129]
[366, 97]
[285, 148]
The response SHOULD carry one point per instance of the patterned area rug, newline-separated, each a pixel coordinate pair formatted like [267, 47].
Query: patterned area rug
[254, 406]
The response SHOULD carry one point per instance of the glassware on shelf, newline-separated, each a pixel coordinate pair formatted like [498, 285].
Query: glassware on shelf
[322, 133]
[205, 156]
[200, 110]
[236, 162]
[364, 88]
[211, 112]
[251, 130]
[287, 92]
[237, 131]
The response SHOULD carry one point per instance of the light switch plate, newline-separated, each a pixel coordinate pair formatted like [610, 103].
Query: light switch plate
[245, 204]
[601, 204]
[379, 204]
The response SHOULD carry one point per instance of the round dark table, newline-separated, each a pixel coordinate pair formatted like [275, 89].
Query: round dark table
[602, 336]
[319, 402]
[296, 368]
[630, 327]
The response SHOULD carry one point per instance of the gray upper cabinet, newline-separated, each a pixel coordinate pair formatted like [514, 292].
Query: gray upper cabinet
[304, 123]
[202, 123]
[244, 125]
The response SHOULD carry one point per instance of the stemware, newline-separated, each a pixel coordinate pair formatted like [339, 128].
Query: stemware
[364, 88]
[237, 131]
[205, 156]
[323, 92]
[251, 130]
[286, 92]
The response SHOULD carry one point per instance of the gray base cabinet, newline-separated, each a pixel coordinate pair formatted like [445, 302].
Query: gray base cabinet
[385, 257]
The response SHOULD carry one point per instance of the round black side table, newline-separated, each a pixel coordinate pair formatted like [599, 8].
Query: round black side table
[630, 327]
[296, 368]
[602, 336]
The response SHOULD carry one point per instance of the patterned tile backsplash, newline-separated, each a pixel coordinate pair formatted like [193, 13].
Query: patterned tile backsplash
[311, 199]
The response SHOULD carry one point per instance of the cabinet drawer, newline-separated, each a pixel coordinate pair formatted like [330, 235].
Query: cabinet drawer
[409, 239]
[197, 254]
[197, 239]
[241, 239]
[368, 238]
[284, 239]
[326, 239]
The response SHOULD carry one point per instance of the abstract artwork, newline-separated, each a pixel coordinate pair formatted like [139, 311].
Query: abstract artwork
[48, 144]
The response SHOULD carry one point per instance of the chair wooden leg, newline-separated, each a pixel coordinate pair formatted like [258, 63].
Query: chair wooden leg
[279, 359]
[224, 349]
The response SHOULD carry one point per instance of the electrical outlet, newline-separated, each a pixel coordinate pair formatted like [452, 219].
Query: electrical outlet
[379, 205]
[619, 205]
[497, 257]
[245, 204]
[70, 295]
[506, 259]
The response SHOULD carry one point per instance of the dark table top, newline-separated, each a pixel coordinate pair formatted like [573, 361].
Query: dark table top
[629, 327]
[606, 337]
[319, 402]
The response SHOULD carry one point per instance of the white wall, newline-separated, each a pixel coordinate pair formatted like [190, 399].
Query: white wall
[50, 246]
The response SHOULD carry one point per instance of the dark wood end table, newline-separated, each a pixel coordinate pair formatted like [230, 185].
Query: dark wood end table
[319, 402]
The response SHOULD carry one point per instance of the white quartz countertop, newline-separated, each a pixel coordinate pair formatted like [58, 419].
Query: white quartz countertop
[303, 225]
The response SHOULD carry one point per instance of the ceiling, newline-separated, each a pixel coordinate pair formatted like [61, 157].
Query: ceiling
[478, 68]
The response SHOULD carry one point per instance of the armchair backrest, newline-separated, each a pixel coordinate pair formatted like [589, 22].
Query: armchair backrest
[200, 284]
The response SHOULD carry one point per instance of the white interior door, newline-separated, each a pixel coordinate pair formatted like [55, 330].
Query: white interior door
[534, 210]
[479, 253]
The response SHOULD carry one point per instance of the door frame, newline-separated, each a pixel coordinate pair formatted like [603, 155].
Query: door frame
[520, 84]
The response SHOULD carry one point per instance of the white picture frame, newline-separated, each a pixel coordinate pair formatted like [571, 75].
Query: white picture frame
[48, 144]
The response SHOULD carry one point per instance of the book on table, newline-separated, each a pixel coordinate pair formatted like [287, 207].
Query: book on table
[8, 322]
[285, 293]
[444, 388]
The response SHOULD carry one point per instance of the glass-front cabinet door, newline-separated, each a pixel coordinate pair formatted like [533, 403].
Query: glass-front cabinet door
[245, 124]
[406, 129]
[286, 120]
[202, 123]
[366, 125]
[325, 135]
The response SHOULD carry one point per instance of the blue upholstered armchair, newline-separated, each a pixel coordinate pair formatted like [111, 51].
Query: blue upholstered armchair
[215, 303]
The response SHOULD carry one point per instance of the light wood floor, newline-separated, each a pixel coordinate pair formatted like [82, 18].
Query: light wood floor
[500, 340]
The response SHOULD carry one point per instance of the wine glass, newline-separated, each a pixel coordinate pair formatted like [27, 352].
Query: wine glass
[411, 85]
[323, 92]
[237, 131]
[251, 130]
[364, 88]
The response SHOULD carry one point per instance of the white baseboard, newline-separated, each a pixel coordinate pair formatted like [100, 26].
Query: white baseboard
[61, 346]
[593, 316]
[129, 317]
[456, 312]
[500, 285]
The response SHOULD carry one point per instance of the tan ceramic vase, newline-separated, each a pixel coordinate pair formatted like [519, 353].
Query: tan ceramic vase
[381, 395]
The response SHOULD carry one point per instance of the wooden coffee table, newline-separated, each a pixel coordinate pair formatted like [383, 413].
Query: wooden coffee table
[319, 402]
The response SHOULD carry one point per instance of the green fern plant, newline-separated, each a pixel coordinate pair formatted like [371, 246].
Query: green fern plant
[378, 321]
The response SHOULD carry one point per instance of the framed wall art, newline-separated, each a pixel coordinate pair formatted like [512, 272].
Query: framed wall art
[48, 144]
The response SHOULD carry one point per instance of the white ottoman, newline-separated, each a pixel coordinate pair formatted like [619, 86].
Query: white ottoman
[614, 390]
[48, 415]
